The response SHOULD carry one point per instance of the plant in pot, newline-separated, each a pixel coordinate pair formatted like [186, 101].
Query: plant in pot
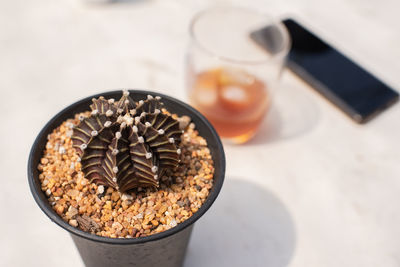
[127, 178]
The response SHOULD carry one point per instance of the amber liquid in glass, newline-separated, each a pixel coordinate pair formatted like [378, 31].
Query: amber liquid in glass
[234, 101]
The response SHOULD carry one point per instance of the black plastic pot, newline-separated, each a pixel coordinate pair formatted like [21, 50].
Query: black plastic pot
[163, 249]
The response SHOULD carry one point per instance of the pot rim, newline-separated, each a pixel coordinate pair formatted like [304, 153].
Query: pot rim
[45, 207]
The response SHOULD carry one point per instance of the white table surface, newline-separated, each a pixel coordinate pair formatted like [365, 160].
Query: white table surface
[315, 190]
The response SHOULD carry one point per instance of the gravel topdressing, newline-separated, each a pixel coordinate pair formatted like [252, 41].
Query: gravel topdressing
[104, 211]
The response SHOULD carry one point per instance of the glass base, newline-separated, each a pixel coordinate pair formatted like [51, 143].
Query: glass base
[241, 139]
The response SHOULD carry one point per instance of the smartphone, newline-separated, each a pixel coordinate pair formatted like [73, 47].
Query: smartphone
[355, 91]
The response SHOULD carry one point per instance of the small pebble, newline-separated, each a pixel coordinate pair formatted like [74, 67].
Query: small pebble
[100, 189]
[48, 192]
[60, 210]
[61, 150]
[117, 226]
[73, 223]
[126, 197]
[72, 193]
[72, 211]
[184, 122]
[173, 223]
[69, 125]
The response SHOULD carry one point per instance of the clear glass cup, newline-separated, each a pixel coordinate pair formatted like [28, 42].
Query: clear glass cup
[229, 78]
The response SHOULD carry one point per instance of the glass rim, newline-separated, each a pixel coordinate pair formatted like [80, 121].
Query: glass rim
[282, 30]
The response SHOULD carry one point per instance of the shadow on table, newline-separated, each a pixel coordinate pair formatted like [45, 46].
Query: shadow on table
[292, 114]
[246, 226]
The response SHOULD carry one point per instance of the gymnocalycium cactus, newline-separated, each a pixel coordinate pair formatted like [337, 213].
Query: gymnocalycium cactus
[125, 145]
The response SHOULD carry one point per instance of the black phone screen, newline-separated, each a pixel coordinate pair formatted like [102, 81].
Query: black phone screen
[354, 90]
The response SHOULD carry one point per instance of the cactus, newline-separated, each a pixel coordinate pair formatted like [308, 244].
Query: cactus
[127, 145]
